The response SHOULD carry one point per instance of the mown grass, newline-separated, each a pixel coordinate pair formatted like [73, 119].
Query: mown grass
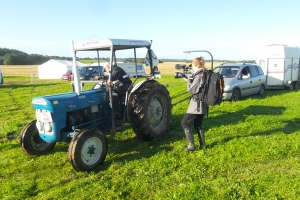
[252, 152]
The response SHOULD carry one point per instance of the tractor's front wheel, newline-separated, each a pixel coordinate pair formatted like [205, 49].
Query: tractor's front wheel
[32, 143]
[87, 149]
[150, 110]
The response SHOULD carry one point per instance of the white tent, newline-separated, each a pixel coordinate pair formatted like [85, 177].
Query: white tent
[54, 69]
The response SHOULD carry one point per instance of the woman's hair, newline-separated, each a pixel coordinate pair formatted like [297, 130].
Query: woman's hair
[199, 62]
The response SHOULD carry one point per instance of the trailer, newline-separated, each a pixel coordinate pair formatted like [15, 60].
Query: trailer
[131, 69]
[1, 77]
[280, 64]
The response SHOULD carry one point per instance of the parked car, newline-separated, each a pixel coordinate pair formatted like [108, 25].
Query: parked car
[67, 75]
[88, 73]
[241, 80]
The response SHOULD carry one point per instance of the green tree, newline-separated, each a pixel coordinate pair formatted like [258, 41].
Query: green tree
[16, 58]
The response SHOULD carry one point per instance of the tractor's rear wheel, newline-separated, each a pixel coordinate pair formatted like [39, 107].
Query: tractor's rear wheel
[32, 143]
[150, 110]
[87, 149]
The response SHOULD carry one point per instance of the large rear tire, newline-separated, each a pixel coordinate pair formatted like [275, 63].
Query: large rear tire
[32, 143]
[150, 110]
[87, 149]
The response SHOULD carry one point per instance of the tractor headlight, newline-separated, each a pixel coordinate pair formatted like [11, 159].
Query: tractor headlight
[39, 126]
[48, 126]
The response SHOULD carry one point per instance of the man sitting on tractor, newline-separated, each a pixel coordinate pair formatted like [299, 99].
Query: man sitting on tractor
[120, 83]
[120, 80]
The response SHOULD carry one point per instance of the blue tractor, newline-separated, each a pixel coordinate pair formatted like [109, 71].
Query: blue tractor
[84, 117]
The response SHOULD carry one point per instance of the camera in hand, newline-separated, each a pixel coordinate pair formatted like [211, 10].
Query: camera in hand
[185, 71]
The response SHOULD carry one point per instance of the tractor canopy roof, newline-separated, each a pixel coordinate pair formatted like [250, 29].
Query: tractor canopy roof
[108, 44]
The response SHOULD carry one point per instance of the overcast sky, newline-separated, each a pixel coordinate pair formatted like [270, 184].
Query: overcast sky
[231, 29]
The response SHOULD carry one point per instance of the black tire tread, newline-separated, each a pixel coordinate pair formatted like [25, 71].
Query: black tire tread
[25, 140]
[78, 139]
[138, 108]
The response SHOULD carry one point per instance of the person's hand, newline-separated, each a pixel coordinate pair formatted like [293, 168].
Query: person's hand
[108, 83]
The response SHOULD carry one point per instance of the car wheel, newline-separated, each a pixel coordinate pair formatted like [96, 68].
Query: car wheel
[296, 85]
[236, 95]
[291, 86]
[261, 90]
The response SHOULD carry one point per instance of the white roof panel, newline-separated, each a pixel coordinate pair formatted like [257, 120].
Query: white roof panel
[106, 44]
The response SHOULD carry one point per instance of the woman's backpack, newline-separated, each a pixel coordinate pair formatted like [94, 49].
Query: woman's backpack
[212, 91]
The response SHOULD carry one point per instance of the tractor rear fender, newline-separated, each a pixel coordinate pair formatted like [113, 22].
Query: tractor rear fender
[137, 86]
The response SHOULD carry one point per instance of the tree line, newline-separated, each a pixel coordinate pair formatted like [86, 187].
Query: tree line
[16, 57]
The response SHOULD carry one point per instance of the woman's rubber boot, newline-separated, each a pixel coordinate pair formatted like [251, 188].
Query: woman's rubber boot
[190, 139]
[201, 137]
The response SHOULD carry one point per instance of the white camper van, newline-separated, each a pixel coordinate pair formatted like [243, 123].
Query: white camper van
[280, 64]
[129, 68]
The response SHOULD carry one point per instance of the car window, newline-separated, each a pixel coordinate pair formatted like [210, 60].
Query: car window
[217, 69]
[253, 70]
[245, 72]
[260, 71]
[90, 69]
[96, 70]
[227, 71]
[84, 69]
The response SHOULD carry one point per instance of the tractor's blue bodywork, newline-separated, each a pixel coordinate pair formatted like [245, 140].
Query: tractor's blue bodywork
[60, 116]
[83, 117]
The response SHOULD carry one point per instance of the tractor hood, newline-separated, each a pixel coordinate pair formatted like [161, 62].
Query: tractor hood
[49, 109]
[71, 100]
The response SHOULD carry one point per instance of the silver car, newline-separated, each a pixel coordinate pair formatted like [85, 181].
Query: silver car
[241, 80]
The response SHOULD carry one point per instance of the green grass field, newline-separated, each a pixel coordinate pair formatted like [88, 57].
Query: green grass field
[253, 152]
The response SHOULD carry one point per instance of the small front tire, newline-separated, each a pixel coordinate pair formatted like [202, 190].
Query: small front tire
[32, 143]
[87, 149]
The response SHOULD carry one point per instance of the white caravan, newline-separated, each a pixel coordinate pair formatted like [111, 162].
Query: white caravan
[129, 68]
[280, 64]
[1, 77]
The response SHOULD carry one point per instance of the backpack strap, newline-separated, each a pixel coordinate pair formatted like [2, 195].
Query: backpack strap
[199, 96]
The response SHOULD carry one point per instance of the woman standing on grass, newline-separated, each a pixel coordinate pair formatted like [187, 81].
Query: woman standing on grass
[196, 109]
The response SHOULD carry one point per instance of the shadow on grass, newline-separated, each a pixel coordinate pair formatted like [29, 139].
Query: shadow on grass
[235, 117]
[20, 85]
[132, 149]
[269, 93]
[290, 127]
[227, 118]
